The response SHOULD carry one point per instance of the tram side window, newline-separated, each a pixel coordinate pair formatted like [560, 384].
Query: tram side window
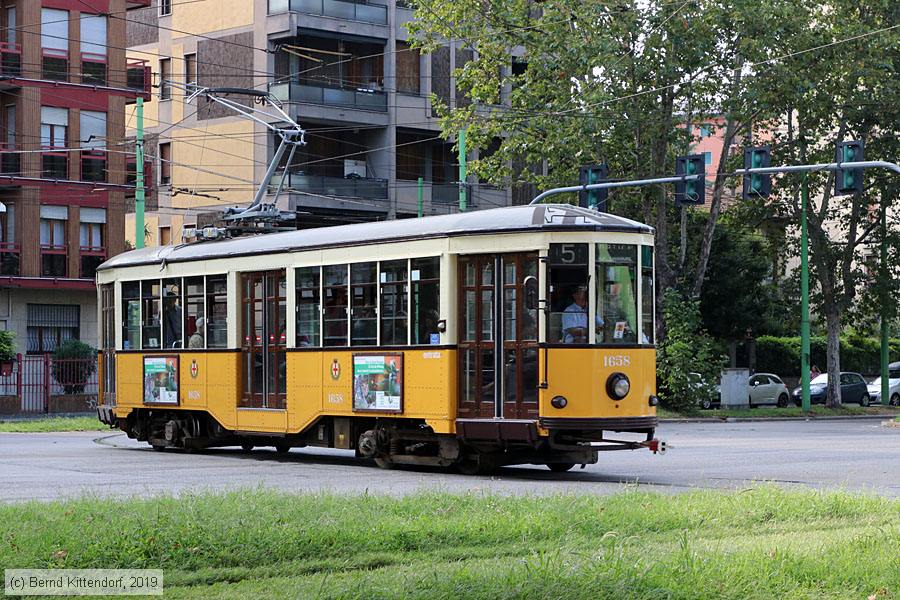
[216, 311]
[648, 296]
[194, 304]
[616, 279]
[335, 305]
[425, 275]
[393, 311]
[308, 306]
[131, 315]
[150, 305]
[568, 280]
[363, 294]
[171, 313]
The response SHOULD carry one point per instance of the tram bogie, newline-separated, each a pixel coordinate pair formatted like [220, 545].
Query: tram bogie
[509, 336]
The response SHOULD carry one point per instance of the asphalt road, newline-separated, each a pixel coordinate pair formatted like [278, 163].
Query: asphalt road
[858, 455]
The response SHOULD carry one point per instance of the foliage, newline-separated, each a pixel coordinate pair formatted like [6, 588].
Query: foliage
[760, 543]
[687, 349]
[73, 364]
[781, 355]
[7, 345]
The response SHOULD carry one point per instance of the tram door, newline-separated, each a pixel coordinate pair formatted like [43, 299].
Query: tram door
[264, 322]
[498, 321]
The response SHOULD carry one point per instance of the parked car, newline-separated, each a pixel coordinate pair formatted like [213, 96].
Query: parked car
[766, 388]
[853, 389]
[893, 386]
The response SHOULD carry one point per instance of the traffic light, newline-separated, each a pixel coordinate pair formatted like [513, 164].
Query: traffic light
[587, 175]
[690, 192]
[757, 185]
[848, 181]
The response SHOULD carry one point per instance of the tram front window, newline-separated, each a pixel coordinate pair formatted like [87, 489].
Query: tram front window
[568, 319]
[616, 280]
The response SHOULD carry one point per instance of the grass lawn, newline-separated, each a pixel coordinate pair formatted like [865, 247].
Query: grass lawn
[790, 411]
[757, 543]
[53, 424]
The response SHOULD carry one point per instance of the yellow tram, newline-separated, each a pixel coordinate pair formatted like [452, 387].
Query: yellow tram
[506, 336]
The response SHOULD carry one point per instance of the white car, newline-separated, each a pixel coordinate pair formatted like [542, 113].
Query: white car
[893, 386]
[766, 388]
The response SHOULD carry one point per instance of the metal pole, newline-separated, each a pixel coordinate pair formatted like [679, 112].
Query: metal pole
[885, 311]
[804, 296]
[139, 177]
[420, 191]
[462, 170]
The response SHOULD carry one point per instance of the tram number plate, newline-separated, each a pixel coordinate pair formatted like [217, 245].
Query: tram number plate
[335, 398]
[616, 360]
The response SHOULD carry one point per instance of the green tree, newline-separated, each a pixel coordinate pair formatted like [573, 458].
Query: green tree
[611, 82]
[687, 349]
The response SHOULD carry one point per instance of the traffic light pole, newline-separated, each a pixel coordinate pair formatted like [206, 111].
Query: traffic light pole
[804, 296]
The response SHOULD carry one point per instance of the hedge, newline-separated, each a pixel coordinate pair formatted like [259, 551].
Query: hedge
[781, 355]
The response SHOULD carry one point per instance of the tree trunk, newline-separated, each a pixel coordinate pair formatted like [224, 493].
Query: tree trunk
[833, 326]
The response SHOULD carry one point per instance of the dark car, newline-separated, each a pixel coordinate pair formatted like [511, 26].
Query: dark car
[853, 389]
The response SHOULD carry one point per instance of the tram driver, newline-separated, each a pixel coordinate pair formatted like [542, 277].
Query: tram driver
[575, 318]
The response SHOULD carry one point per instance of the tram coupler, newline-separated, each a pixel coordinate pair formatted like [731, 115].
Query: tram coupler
[656, 446]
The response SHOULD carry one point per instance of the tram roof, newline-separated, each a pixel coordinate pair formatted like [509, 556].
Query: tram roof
[528, 218]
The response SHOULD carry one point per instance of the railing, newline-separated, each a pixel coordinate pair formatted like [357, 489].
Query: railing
[369, 13]
[9, 259]
[93, 68]
[10, 59]
[54, 260]
[138, 76]
[91, 258]
[41, 384]
[55, 64]
[10, 160]
[54, 165]
[363, 98]
[356, 187]
[93, 166]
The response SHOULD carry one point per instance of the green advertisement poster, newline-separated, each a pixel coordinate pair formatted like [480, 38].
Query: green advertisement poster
[161, 380]
[378, 382]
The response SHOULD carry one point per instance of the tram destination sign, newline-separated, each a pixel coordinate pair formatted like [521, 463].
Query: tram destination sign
[378, 382]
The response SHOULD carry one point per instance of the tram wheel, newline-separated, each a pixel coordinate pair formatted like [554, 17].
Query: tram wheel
[282, 448]
[246, 447]
[158, 447]
[560, 467]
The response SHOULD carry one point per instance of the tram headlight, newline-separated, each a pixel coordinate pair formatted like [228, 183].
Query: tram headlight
[559, 402]
[618, 386]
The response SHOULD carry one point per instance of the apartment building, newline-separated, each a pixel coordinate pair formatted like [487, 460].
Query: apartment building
[64, 87]
[343, 70]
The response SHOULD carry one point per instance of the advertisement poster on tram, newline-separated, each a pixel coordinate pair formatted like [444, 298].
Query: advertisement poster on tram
[161, 380]
[378, 382]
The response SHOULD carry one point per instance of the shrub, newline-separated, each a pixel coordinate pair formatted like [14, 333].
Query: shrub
[687, 349]
[781, 355]
[73, 364]
[7, 345]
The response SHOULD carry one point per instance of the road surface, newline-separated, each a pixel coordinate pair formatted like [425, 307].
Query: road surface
[857, 455]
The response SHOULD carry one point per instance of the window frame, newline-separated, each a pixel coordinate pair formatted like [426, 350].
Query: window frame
[165, 72]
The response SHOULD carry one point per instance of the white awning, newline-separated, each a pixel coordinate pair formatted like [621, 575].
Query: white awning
[93, 215]
[54, 212]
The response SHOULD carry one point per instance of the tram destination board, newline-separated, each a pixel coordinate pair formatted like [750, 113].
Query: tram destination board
[378, 382]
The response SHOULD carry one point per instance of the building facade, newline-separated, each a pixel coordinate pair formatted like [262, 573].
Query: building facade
[64, 86]
[343, 70]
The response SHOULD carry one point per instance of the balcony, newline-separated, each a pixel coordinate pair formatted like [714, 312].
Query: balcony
[10, 59]
[55, 64]
[350, 187]
[138, 78]
[93, 166]
[361, 98]
[368, 13]
[9, 259]
[93, 68]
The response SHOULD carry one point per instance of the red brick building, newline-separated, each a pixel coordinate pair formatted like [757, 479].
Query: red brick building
[64, 86]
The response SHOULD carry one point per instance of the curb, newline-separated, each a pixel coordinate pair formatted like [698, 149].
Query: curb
[763, 419]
